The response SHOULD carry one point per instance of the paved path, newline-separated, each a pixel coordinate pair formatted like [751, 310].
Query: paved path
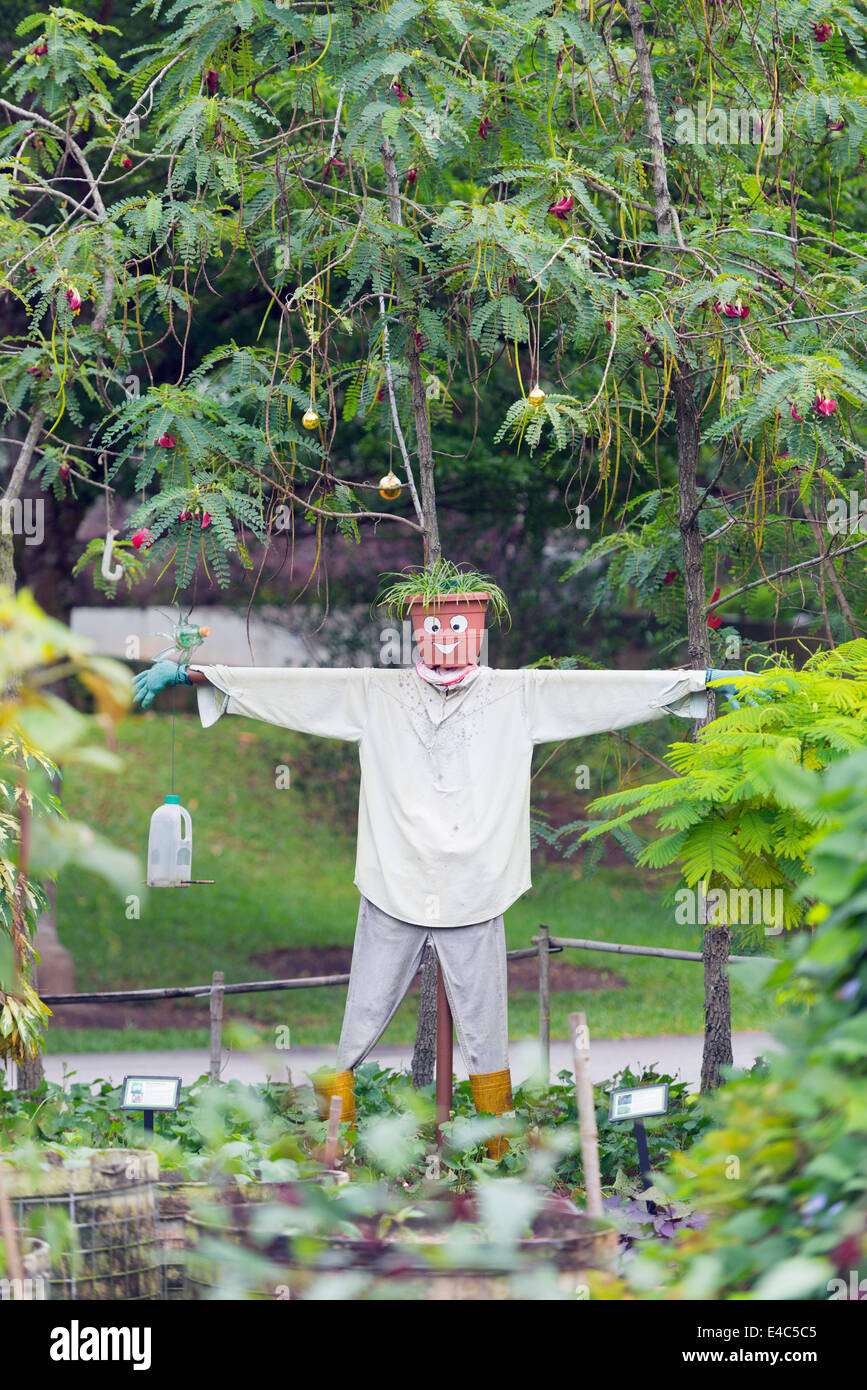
[677, 1055]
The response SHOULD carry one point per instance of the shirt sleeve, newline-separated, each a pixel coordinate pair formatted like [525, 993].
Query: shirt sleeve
[313, 700]
[568, 704]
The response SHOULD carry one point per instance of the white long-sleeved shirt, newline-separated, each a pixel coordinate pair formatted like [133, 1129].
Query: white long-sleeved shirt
[444, 804]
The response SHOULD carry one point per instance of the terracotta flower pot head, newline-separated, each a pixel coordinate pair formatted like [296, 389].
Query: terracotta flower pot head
[449, 629]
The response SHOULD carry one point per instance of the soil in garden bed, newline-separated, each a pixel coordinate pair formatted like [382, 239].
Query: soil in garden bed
[298, 962]
[162, 1013]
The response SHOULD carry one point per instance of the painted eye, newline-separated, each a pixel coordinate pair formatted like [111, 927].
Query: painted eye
[432, 625]
[458, 624]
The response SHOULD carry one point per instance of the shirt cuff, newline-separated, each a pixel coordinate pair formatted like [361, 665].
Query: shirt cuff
[212, 703]
[683, 699]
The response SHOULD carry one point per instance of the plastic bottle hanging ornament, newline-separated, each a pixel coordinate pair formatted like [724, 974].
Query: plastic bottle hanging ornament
[390, 486]
[170, 839]
[310, 418]
[537, 395]
[170, 845]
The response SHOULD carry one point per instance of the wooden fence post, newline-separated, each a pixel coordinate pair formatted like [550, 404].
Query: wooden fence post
[586, 1112]
[543, 940]
[218, 980]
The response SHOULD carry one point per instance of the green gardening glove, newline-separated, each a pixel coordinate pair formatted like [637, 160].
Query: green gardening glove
[729, 690]
[148, 684]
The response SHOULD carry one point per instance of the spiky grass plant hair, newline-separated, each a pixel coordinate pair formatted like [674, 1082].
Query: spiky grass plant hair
[441, 579]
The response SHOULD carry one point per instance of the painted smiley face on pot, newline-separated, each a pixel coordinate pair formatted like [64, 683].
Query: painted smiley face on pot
[446, 636]
[449, 632]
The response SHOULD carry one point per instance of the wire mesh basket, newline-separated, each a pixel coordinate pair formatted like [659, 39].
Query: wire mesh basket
[98, 1215]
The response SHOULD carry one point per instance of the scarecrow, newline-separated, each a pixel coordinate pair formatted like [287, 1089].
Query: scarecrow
[445, 748]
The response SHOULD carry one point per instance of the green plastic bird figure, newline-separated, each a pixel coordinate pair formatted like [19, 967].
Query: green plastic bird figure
[184, 637]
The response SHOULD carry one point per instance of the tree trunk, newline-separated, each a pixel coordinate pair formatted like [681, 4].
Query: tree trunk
[717, 1012]
[31, 1073]
[7, 560]
[692, 542]
[717, 1007]
[715, 945]
[421, 419]
[424, 1052]
[12, 493]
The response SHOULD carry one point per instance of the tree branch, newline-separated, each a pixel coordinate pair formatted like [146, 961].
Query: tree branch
[666, 218]
[789, 569]
[424, 446]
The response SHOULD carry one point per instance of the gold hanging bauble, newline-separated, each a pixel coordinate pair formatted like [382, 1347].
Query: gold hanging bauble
[537, 395]
[310, 419]
[390, 486]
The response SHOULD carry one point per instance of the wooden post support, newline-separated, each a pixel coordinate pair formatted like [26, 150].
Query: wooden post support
[543, 940]
[218, 980]
[445, 1056]
[332, 1138]
[586, 1112]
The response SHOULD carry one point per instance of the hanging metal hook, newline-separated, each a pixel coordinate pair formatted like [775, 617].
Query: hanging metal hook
[113, 575]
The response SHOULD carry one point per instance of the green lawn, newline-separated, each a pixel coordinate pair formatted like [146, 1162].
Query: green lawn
[282, 861]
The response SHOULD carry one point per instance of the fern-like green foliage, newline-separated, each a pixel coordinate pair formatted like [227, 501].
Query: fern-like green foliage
[247, 160]
[725, 818]
[787, 1222]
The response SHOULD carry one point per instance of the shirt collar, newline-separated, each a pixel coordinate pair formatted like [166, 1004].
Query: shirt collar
[442, 679]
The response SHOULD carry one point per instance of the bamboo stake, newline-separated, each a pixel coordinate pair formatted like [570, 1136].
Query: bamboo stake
[620, 948]
[586, 1113]
[218, 981]
[332, 1138]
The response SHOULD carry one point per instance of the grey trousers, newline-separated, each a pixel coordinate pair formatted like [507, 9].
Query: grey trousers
[386, 955]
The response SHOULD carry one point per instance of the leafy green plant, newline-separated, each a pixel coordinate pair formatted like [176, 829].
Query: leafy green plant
[643, 1212]
[781, 1170]
[725, 817]
[237, 1128]
[441, 580]
[38, 730]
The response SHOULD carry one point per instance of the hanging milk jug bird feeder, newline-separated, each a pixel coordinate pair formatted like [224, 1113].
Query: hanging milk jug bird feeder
[170, 841]
[170, 845]
[390, 486]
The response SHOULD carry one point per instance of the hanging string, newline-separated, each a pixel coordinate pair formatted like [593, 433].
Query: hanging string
[174, 705]
[103, 458]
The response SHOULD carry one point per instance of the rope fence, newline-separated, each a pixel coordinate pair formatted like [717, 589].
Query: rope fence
[136, 996]
[544, 946]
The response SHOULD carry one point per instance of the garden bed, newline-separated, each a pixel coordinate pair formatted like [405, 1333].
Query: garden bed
[441, 1249]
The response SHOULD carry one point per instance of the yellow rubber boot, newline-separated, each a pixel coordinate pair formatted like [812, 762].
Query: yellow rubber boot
[492, 1093]
[336, 1083]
